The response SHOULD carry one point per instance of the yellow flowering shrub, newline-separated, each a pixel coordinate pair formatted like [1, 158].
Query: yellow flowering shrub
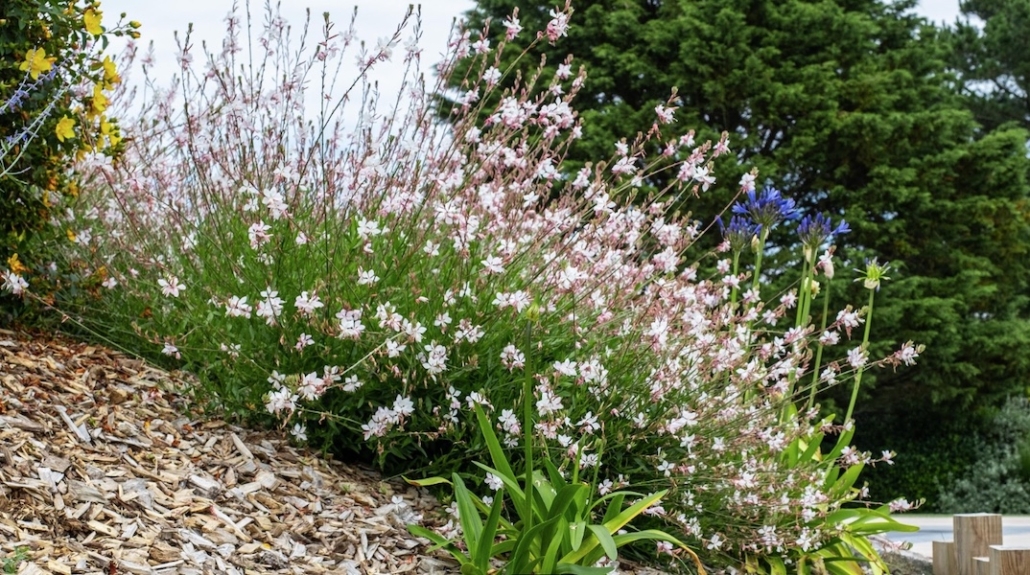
[55, 83]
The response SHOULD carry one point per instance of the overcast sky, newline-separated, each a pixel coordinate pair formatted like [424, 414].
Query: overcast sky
[376, 18]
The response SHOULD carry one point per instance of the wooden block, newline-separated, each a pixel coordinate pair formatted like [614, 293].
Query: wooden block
[944, 558]
[1009, 560]
[982, 566]
[974, 534]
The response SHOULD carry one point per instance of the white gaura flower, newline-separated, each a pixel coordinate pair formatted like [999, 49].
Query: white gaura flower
[493, 481]
[367, 277]
[238, 307]
[171, 286]
[857, 357]
[258, 234]
[171, 350]
[14, 283]
[307, 304]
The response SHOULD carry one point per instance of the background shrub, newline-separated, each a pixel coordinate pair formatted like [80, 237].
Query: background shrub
[998, 479]
[54, 89]
[932, 444]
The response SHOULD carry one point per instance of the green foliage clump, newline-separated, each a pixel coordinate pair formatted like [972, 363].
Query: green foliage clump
[11, 562]
[998, 480]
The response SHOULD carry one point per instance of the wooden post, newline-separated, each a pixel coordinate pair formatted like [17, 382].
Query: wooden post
[983, 565]
[1009, 560]
[944, 558]
[974, 534]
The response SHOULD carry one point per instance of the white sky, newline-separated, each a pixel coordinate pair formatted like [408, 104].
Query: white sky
[376, 18]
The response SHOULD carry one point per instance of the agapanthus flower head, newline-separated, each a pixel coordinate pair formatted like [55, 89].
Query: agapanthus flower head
[767, 208]
[814, 230]
[739, 233]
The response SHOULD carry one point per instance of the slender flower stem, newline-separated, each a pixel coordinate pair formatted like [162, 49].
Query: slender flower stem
[759, 250]
[527, 411]
[819, 349]
[805, 293]
[736, 270]
[865, 344]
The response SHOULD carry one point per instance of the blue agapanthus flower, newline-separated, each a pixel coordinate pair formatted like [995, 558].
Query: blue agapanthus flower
[767, 208]
[739, 233]
[813, 231]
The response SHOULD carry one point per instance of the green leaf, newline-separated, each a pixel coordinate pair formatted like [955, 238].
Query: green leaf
[813, 446]
[565, 498]
[481, 556]
[847, 480]
[555, 536]
[427, 481]
[492, 444]
[776, 566]
[606, 541]
[503, 468]
[615, 506]
[581, 570]
[556, 477]
[514, 489]
[440, 541]
[620, 520]
[523, 558]
[614, 524]
[577, 530]
[844, 440]
[468, 515]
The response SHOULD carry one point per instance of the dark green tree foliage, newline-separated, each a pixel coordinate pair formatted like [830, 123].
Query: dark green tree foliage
[847, 107]
[991, 57]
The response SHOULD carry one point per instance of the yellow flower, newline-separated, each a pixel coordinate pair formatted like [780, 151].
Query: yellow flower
[71, 234]
[16, 266]
[91, 17]
[100, 101]
[36, 62]
[111, 131]
[111, 76]
[65, 129]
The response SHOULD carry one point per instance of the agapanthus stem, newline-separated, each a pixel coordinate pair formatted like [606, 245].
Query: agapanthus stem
[805, 293]
[759, 250]
[865, 345]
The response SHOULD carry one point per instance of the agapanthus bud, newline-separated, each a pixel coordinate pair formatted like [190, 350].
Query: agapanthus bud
[874, 273]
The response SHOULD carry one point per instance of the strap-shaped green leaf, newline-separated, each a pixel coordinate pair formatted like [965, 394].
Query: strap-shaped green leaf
[440, 541]
[483, 553]
[428, 481]
[468, 515]
[500, 462]
[606, 541]
[615, 507]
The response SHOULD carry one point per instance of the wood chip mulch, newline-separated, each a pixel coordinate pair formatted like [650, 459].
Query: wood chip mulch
[103, 472]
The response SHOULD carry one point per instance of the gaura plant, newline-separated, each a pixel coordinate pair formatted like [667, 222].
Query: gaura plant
[366, 286]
